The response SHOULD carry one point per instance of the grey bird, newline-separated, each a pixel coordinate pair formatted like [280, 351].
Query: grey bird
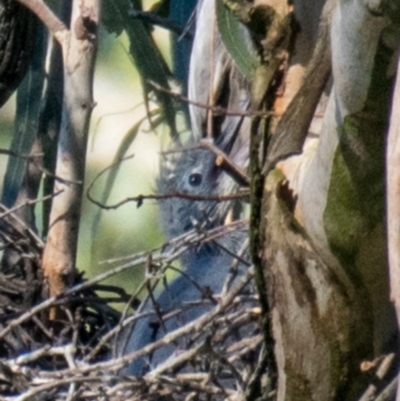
[193, 170]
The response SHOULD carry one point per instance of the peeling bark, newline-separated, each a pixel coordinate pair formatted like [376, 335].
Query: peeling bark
[315, 318]
[79, 49]
[342, 251]
[393, 199]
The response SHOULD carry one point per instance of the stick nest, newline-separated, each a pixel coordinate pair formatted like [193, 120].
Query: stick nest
[75, 358]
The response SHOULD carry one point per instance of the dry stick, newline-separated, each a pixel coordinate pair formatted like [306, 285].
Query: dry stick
[209, 349]
[233, 270]
[28, 202]
[150, 378]
[156, 19]
[52, 384]
[173, 363]
[199, 387]
[187, 382]
[292, 129]
[186, 356]
[31, 158]
[28, 230]
[144, 283]
[380, 373]
[223, 161]
[192, 326]
[138, 259]
[189, 237]
[217, 110]
[251, 344]
[389, 392]
[173, 194]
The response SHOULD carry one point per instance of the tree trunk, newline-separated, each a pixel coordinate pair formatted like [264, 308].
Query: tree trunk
[325, 264]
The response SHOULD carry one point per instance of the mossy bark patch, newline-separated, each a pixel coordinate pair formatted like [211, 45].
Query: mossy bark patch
[355, 202]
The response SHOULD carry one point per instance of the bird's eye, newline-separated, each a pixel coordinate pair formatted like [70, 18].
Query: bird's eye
[195, 179]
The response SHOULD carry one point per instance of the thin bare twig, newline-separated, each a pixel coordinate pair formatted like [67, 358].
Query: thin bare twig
[195, 325]
[217, 110]
[32, 159]
[155, 19]
[192, 238]
[379, 369]
[28, 202]
[172, 194]
[223, 161]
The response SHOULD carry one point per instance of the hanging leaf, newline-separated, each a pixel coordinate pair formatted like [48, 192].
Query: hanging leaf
[236, 40]
[145, 54]
[26, 122]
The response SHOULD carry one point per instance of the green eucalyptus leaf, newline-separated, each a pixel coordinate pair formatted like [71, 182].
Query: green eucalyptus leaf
[234, 38]
[145, 54]
[26, 122]
[111, 17]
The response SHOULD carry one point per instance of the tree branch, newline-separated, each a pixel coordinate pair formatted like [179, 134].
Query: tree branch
[44, 13]
[79, 58]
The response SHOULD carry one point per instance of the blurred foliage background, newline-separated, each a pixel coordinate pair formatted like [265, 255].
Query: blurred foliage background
[118, 93]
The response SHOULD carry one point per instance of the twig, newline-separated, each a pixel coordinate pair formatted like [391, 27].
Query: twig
[155, 19]
[189, 238]
[174, 362]
[217, 110]
[195, 325]
[379, 373]
[52, 384]
[156, 306]
[389, 392]
[233, 271]
[223, 161]
[28, 202]
[136, 260]
[173, 194]
[32, 159]
[209, 349]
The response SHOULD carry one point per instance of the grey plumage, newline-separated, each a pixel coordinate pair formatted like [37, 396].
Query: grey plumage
[191, 171]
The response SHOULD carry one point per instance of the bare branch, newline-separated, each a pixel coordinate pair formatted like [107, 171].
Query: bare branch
[172, 194]
[79, 57]
[28, 202]
[217, 110]
[155, 19]
[179, 245]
